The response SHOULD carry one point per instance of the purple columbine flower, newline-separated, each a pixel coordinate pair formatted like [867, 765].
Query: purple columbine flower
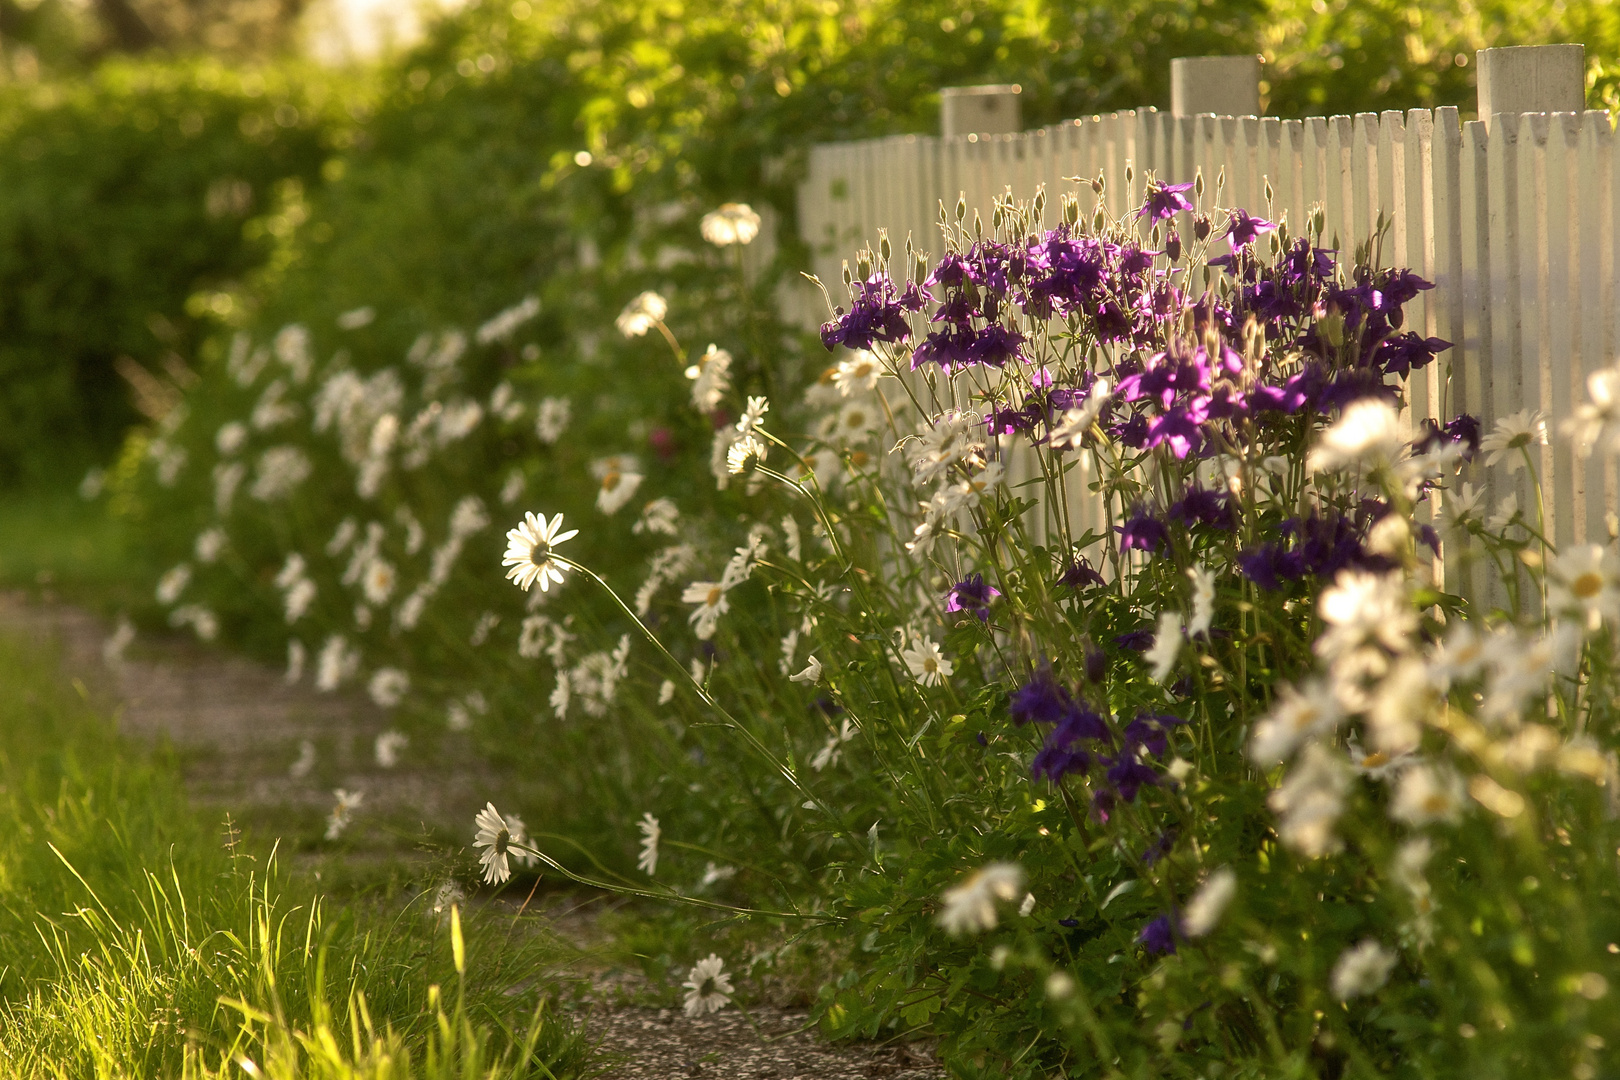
[1202, 506]
[1160, 847]
[1041, 700]
[1151, 730]
[1135, 640]
[972, 594]
[1159, 936]
[1129, 775]
[1142, 532]
[1242, 228]
[874, 315]
[1080, 575]
[1404, 353]
[1165, 201]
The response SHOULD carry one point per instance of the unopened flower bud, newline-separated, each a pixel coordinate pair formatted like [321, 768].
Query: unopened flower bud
[1201, 227]
[1096, 664]
[1172, 246]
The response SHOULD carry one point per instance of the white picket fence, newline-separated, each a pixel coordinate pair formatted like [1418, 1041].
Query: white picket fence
[1516, 221]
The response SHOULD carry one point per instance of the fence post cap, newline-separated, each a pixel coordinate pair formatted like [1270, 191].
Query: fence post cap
[979, 110]
[1531, 79]
[1223, 85]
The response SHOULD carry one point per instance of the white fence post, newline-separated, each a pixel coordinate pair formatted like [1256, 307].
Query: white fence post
[979, 110]
[1223, 85]
[1531, 79]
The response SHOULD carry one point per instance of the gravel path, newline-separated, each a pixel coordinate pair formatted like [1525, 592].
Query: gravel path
[240, 732]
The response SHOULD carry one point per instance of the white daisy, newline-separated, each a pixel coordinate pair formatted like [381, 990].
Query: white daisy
[305, 762]
[744, 454]
[708, 987]
[1205, 907]
[928, 665]
[711, 378]
[732, 223]
[347, 803]
[388, 687]
[1461, 505]
[1512, 433]
[856, 422]
[666, 692]
[388, 746]
[1362, 970]
[528, 551]
[618, 487]
[1299, 714]
[1505, 514]
[297, 655]
[1368, 433]
[710, 598]
[495, 837]
[1166, 646]
[660, 516]
[971, 906]
[1203, 598]
[1426, 794]
[1077, 423]
[1597, 422]
[172, 584]
[551, 420]
[336, 663]
[858, 372]
[298, 598]
[1583, 580]
[642, 314]
[753, 415]
[829, 754]
[280, 471]
[1310, 802]
[647, 861]
[378, 581]
[230, 438]
[512, 489]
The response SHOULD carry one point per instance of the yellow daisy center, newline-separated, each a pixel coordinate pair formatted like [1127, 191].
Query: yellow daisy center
[1587, 585]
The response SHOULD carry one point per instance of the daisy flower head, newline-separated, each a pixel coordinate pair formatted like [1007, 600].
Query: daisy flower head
[210, 542]
[753, 415]
[1368, 433]
[811, 673]
[711, 378]
[1461, 506]
[529, 551]
[708, 987]
[1206, 906]
[388, 687]
[1523, 429]
[388, 746]
[1362, 970]
[230, 438]
[378, 581]
[551, 419]
[659, 516]
[343, 811]
[1310, 802]
[731, 223]
[642, 314]
[495, 837]
[1505, 514]
[856, 373]
[1299, 714]
[1597, 422]
[971, 906]
[744, 455]
[647, 861]
[1076, 424]
[856, 422]
[173, 583]
[1203, 582]
[1427, 794]
[928, 665]
[710, 598]
[1583, 580]
[1166, 646]
[619, 477]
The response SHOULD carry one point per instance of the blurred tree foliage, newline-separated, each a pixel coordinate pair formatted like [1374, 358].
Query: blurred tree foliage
[463, 190]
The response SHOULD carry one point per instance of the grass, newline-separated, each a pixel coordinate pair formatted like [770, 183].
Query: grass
[138, 938]
[55, 539]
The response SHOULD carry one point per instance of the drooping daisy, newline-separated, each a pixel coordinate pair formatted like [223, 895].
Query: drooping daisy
[495, 837]
[642, 314]
[708, 987]
[811, 673]
[1513, 433]
[928, 665]
[647, 861]
[1460, 506]
[388, 746]
[1505, 514]
[710, 598]
[1362, 970]
[971, 906]
[528, 551]
[829, 754]
[388, 687]
[731, 223]
[173, 583]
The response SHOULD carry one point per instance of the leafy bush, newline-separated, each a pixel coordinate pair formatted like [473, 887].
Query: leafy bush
[122, 196]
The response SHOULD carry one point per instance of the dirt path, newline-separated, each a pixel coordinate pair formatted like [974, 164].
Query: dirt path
[241, 734]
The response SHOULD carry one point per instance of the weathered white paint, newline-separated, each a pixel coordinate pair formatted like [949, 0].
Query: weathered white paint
[1223, 85]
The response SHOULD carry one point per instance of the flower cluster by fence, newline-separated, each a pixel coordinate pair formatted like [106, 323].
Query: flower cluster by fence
[1065, 656]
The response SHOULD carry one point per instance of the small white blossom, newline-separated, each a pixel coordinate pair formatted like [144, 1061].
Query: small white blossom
[343, 812]
[495, 837]
[732, 223]
[1166, 646]
[1310, 802]
[1362, 970]
[647, 861]
[304, 764]
[388, 687]
[1427, 794]
[1368, 433]
[1511, 434]
[1299, 714]
[551, 420]
[1206, 906]
[528, 551]
[297, 655]
[173, 583]
[230, 437]
[641, 314]
[811, 673]
[1203, 582]
[660, 516]
[388, 746]
[928, 665]
[710, 598]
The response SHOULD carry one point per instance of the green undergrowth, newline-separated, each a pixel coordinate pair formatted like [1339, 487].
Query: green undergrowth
[50, 538]
[141, 938]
